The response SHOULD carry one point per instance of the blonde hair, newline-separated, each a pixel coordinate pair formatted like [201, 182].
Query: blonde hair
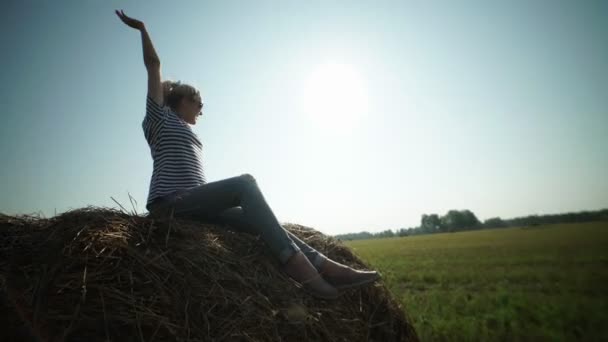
[173, 92]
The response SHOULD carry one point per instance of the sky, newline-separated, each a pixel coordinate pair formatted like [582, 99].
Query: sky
[351, 115]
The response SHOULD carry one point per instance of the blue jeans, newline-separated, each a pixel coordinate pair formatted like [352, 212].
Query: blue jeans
[238, 202]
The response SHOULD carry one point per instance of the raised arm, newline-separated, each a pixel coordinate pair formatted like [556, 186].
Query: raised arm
[151, 60]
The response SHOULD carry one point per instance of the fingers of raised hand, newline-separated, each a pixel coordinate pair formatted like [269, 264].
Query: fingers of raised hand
[129, 21]
[120, 15]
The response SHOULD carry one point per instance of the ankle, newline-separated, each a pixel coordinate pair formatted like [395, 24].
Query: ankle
[299, 267]
[295, 258]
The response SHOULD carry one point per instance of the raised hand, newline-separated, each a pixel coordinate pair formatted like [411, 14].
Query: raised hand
[134, 23]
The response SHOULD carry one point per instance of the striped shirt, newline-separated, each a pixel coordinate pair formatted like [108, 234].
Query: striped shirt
[176, 151]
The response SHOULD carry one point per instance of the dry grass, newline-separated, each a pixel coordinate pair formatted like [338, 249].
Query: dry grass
[98, 274]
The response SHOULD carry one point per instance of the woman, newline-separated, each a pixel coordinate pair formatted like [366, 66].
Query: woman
[178, 187]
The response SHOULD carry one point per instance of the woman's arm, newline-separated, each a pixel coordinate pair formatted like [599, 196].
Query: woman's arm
[151, 60]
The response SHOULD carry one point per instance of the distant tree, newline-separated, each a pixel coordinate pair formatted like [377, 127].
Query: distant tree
[470, 220]
[385, 234]
[451, 221]
[430, 223]
[402, 232]
[494, 222]
[455, 220]
[354, 236]
[434, 222]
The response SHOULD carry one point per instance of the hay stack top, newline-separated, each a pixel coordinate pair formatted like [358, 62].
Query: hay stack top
[100, 274]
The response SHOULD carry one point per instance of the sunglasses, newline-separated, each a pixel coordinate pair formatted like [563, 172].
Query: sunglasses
[199, 103]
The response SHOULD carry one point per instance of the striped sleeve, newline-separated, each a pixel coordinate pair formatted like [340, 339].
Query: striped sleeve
[153, 121]
[154, 112]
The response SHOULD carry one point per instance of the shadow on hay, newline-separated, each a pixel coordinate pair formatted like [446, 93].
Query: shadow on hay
[101, 274]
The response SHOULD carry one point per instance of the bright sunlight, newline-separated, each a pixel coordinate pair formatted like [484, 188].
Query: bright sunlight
[334, 97]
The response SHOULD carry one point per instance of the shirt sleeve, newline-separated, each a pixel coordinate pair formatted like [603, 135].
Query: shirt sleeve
[154, 112]
[154, 119]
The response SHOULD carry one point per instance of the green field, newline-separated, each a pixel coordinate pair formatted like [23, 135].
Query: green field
[538, 283]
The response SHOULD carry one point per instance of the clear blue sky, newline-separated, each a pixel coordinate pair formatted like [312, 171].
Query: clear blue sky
[352, 115]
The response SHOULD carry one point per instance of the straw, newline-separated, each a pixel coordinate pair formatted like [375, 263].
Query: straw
[98, 274]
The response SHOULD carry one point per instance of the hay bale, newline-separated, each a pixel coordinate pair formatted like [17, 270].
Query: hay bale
[97, 274]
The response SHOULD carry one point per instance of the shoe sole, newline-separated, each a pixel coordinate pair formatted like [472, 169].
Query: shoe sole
[359, 284]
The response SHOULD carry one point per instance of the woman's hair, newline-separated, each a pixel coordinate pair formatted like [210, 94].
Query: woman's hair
[173, 92]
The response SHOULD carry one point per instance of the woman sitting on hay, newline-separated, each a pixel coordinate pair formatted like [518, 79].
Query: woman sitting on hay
[178, 187]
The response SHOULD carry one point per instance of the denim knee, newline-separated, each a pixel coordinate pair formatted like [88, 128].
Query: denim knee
[248, 178]
[247, 181]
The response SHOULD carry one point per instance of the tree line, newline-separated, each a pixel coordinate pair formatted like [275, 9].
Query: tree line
[462, 220]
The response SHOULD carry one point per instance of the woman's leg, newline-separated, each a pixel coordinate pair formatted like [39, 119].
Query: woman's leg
[207, 201]
[337, 274]
[236, 219]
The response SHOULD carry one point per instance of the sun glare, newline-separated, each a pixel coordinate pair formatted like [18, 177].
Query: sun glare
[335, 97]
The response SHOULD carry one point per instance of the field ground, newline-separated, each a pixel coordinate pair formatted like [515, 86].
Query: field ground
[526, 284]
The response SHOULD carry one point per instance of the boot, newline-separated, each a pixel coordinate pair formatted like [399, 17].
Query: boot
[343, 277]
[300, 269]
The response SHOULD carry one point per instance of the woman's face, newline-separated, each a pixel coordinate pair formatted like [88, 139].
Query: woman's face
[192, 108]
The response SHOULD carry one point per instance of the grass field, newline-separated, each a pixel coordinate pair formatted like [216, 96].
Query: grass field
[525, 284]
